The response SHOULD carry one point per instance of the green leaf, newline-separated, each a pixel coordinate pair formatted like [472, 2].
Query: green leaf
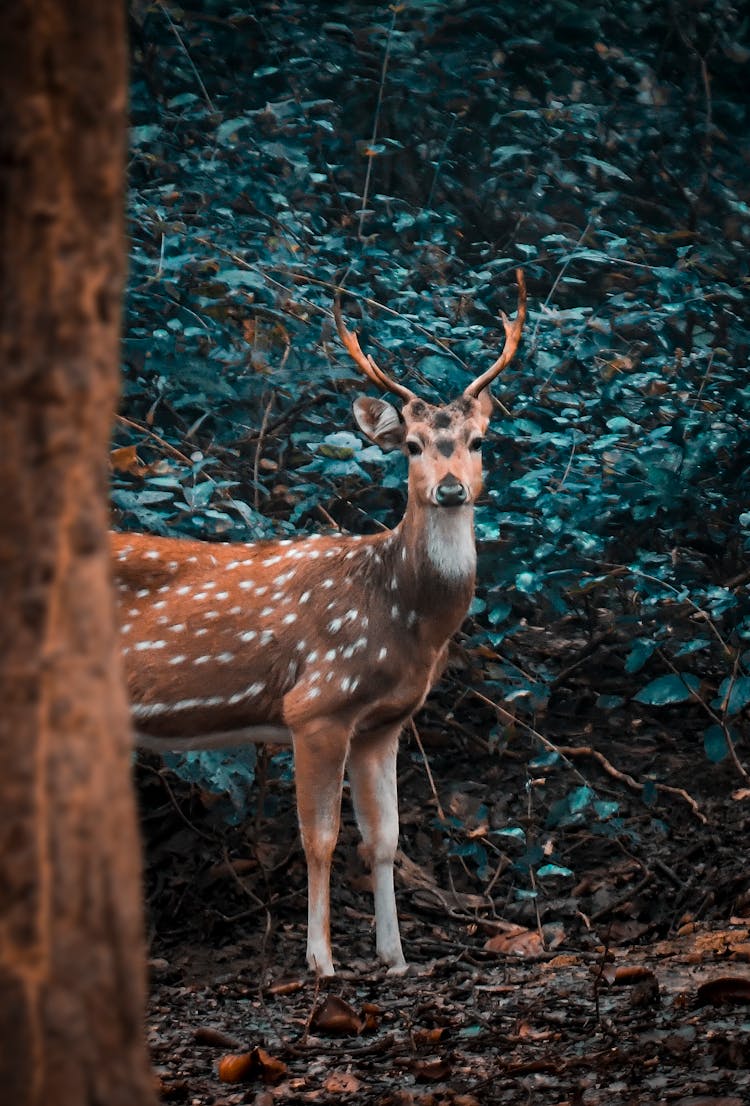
[715, 744]
[736, 693]
[676, 688]
[548, 871]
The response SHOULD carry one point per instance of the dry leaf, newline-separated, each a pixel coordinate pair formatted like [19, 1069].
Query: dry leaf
[431, 1070]
[342, 1082]
[527, 943]
[333, 1015]
[257, 1064]
[235, 1068]
[126, 459]
[725, 989]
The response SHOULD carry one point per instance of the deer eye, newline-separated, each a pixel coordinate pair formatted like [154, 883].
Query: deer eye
[476, 444]
[413, 447]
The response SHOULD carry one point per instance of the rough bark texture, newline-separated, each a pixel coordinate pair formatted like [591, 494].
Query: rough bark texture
[71, 956]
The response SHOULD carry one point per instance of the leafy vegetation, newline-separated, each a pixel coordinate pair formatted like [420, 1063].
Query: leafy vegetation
[418, 155]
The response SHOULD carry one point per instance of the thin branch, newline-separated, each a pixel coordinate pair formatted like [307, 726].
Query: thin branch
[376, 120]
[170, 449]
[420, 746]
[178, 36]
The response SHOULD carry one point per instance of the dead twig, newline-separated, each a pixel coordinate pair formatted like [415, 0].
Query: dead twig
[170, 449]
[428, 770]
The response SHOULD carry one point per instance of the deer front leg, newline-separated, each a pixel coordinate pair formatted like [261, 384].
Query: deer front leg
[319, 757]
[372, 775]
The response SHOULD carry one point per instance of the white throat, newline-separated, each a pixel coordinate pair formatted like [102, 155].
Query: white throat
[449, 538]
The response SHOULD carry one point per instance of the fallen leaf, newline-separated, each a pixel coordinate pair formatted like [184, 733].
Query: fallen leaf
[235, 1068]
[431, 1070]
[334, 1015]
[257, 1064]
[526, 943]
[342, 1082]
[216, 1038]
[725, 989]
[126, 459]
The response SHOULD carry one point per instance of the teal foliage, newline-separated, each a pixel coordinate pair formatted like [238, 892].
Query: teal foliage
[575, 141]
[229, 773]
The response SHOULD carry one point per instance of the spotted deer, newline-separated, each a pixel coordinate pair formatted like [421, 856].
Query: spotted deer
[330, 642]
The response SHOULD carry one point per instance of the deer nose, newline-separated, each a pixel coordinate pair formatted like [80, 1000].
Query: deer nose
[450, 492]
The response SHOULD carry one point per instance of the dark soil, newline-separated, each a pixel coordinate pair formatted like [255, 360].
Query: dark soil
[591, 991]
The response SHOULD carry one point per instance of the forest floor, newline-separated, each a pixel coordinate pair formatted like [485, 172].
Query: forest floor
[625, 982]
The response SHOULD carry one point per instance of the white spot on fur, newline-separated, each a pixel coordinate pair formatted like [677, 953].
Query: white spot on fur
[383, 653]
[178, 627]
[179, 659]
[202, 660]
[140, 646]
[126, 628]
[248, 635]
[312, 657]
[225, 658]
[304, 597]
[334, 626]
[289, 618]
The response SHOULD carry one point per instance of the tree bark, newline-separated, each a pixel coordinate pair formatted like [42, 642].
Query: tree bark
[71, 950]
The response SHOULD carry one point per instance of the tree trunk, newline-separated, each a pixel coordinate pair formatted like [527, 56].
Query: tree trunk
[71, 953]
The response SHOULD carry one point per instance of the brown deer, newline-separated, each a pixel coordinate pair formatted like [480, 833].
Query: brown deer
[330, 642]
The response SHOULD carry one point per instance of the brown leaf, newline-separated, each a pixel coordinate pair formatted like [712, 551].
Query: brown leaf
[725, 989]
[269, 1068]
[526, 943]
[258, 1064]
[342, 1082]
[431, 1070]
[216, 1038]
[286, 987]
[630, 974]
[425, 1037]
[234, 1068]
[126, 459]
[334, 1015]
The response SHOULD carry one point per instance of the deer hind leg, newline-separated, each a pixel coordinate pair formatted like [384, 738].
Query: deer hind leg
[372, 775]
[320, 751]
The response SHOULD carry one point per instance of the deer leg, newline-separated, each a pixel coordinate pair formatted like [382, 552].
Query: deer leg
[372, 775]
[319, 757]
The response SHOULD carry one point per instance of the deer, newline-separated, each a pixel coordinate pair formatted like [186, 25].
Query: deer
[328, 642]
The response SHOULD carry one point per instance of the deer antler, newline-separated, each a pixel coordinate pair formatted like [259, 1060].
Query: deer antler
[366, 363]
[512, 338]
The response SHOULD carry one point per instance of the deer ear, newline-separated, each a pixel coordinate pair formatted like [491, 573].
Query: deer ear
[379, 421]
[486, 406]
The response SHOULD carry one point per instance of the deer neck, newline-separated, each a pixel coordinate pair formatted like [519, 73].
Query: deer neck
[436, 559]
